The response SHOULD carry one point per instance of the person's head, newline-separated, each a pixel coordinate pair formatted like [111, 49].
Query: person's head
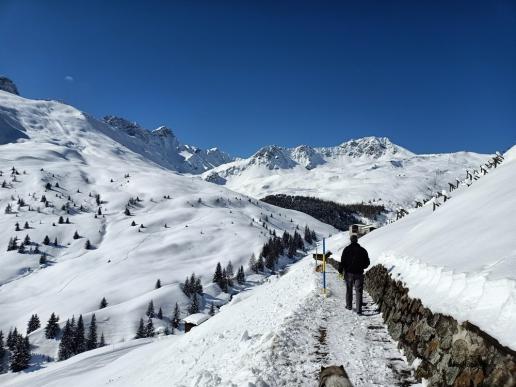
[353, 238]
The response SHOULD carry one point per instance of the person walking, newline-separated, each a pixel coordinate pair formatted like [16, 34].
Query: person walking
[353, 261]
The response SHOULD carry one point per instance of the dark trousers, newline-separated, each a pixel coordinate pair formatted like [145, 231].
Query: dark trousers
[356, 281]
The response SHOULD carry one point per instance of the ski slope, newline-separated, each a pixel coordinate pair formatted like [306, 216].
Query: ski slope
[205, 224]
[366, 169]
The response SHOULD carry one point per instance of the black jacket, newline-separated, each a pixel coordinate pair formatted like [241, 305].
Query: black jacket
[354, 259]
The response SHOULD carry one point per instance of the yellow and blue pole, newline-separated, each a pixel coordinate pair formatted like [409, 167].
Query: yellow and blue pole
[324, 265]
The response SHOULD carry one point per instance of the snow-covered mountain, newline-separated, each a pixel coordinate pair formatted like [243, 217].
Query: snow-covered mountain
[370, 168]
[163, 147]
[57, 162]
[276, 334]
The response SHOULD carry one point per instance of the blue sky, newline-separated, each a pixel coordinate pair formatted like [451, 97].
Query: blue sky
[434, 76]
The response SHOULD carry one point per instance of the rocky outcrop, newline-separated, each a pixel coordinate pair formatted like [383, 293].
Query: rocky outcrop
[449, 353]
[7, 85]
[162, 146]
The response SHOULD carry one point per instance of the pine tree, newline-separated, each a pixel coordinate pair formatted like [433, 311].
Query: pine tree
[229, 270]
[91, 341]
[198, 286]
[26, 240]
[160, 314]
[224, 281]
[252, 263]
[46, 241]
[127, 212]
[158, 284]
[308, 235]
[17, 227]
[102, 341]
[61, 220]
[150, 310]
[21, 354]
[26, 225]
[241, 275]
[176, 317]
[87, 245]
[260, 266]
[66, 344]
[76, 235]
[149, 328]
[33, 323]
[133, 223]
[11, 339]
[194, 306]
[103, 303]
[43, 259]
[52, 329]
[2, 349]
[99, 212]
[67, 221]
[55, 242]
[79, 344]
[140, 333]
[187, 288]
[212, 310]
[21, 248]
[217, 277]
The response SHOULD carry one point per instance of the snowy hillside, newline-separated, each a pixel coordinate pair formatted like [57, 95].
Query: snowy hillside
[461, 258]
[66, 164]
[366, 169]
[278, 334]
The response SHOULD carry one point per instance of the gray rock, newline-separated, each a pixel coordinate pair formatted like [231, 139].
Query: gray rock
[7, 85]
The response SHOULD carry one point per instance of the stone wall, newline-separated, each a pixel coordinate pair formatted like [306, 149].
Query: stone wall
[451, 354]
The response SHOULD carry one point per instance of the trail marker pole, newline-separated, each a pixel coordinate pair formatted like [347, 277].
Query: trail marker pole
[324, 265]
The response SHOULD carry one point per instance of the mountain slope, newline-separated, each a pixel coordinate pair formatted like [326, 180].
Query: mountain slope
[366, 169]
[461, 258]
[163, 147]
[71, 152]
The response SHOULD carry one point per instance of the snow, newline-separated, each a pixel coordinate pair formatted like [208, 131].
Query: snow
[196, 318]
[265, 336]
[366, 169]
[461, 258]
[270, 334]
[66, 146]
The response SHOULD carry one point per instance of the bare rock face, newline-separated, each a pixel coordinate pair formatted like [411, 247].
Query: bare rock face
[7, 85]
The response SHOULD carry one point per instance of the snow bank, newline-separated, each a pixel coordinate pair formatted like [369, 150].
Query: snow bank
[461, 259]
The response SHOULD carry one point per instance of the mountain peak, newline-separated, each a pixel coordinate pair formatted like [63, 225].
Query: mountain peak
[373, 147]
[7, 85]
[163, 131]
[273, 157]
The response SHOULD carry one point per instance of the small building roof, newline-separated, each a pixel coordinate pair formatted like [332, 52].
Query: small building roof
[196, 318]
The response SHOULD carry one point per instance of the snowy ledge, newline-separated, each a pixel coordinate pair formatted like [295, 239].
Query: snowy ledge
[489, 304]
[444, 351]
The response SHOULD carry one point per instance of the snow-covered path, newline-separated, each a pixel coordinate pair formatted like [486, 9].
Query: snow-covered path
[277, 334]
[324, 332]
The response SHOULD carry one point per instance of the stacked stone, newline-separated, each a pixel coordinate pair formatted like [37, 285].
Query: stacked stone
[449, 353]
